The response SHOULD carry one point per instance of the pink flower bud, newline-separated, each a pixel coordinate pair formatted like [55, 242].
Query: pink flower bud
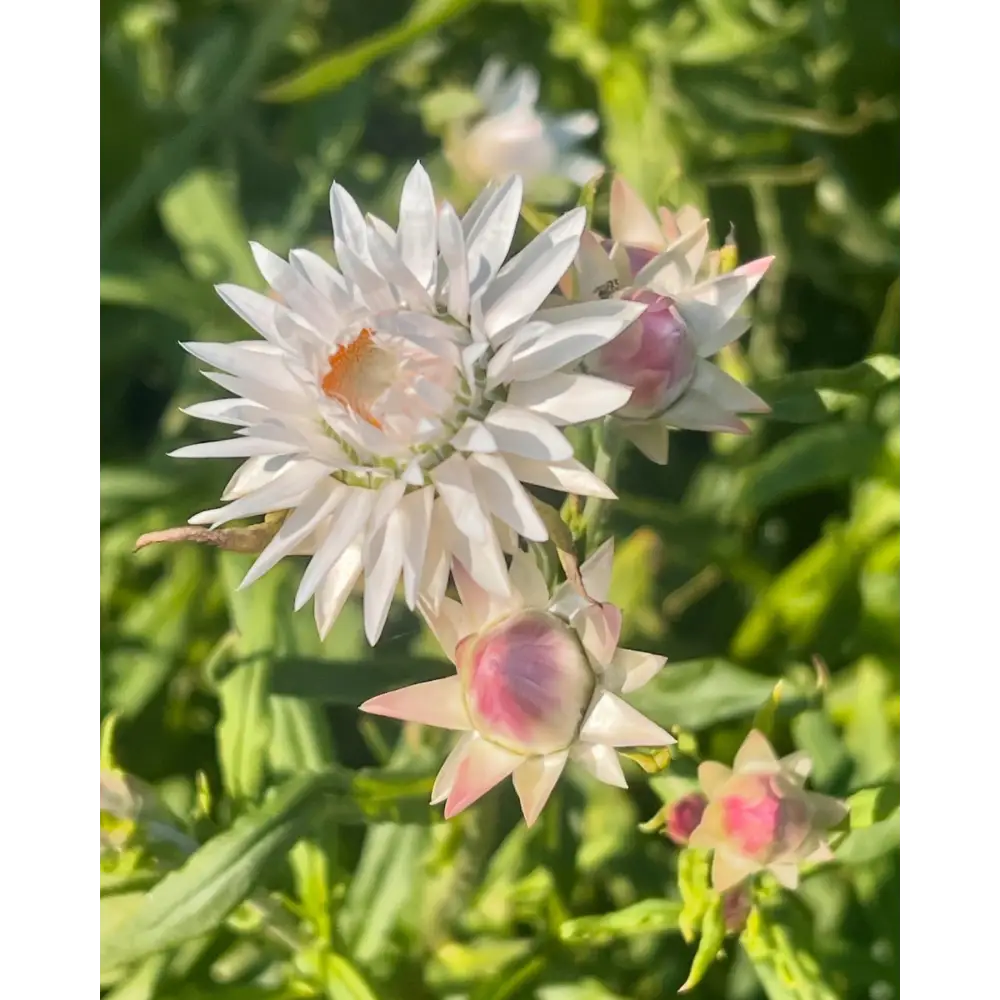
[761, 819]
[684, 815]
[655, 355]
[527, 682]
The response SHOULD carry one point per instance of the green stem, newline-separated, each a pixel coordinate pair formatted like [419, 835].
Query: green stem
[595, 511]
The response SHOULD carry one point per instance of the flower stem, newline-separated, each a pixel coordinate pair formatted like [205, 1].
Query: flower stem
[595, 511]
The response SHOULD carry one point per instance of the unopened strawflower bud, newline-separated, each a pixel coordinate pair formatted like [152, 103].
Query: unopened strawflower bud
[654, 355]
[538, 683]
[694, 301]
[130, 808]
[683, 816]
[759, 816]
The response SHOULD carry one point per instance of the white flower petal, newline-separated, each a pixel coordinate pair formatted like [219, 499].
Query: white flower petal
[253, 308]
[488, 239]
[392, 268]
[455, 257]
[698, 411]
[483, 560]
[570, 476]
[676, 268]
[528, 581]
[600, 761]
[534, 781]
[709, 343]
[446, 776]
[615, 723]
[631, 221]
[706, 308]
[349, 227]
[348, 525]
[295, 290]
[523, 282]
[238, 412]
[520, 432]
[725, 390]
[244, 360]
[449, 623]
[594, 268]
[319, 502]
[372, 286]
[336, 587]
[324, 277]
[569, 399]
[433, 703]
[502, 494]
[416, 509]
[383, 554]
[241, 447]
[635, 669]
[284, 491]
[455, 487]
[577, 330]
[418, 240]
[652, 439]
[473, 436]
[482, 766]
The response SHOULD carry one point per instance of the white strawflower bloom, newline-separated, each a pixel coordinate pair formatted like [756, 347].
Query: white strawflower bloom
[512, 136]
[396, 406]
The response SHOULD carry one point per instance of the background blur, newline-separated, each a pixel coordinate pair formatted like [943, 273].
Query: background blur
[224, 121]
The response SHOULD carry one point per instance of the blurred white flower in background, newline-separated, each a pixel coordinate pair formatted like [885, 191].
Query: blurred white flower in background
[511, 135]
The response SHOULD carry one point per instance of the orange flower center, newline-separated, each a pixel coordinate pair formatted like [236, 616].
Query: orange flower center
[359, 373]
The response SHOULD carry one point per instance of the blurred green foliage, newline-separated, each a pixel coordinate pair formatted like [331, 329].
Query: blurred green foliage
[741, 560]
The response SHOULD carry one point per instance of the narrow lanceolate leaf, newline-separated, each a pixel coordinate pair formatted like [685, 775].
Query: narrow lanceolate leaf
[651, 916]
[221, 874]
[245, 730]
[713, 933]
[874, 824]
[333, 71]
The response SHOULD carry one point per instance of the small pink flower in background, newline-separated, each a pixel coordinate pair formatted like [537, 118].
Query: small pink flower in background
[537, 685]
[683, 816]
[693, 311]
[759, 816]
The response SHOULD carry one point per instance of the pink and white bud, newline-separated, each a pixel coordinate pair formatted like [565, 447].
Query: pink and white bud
[655, 356]
[764, 817]
[527, 682]
[537, 684]
[683, 817]
[759, 815]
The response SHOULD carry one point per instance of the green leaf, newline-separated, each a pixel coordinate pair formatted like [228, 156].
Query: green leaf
[700, 693]
[344, 981]
[874, 830]
[810, 459]
[335, 70]
[804, 397]
[384, 885]
[350, 682]
[170, 158]
[160, 623]
[220, 875]
[651, 916]
[244, 733]
[201, 215]
[713, 934]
